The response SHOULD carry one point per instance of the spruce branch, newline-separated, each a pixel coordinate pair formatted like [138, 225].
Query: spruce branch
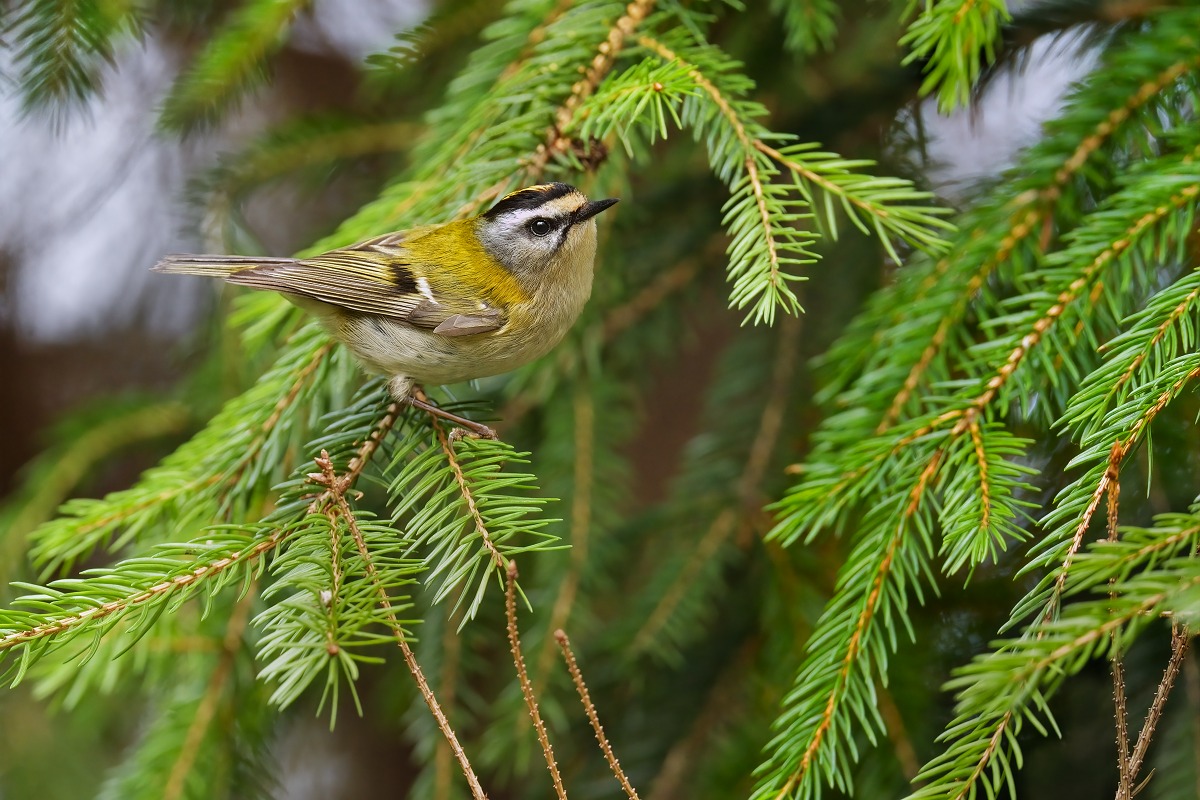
[556, 142]
[467, 512]
[1120, 703]
[1074, 291]
[335, 493]
[577, 676]
[448, 689]
[1179, 372]
[1120, 235]
[75, 606]
[760, 215]
[1040, 326]
[886, 204]
[601, 64]
[468, 495]
[983, 747]
[1135, 84]
[823, 185]
[322, 606]
[814, 740]
[1162, 331]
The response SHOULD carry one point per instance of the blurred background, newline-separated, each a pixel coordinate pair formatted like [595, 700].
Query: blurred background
[110, 366]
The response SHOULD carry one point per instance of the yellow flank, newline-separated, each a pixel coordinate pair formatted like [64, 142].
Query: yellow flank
[458, 254]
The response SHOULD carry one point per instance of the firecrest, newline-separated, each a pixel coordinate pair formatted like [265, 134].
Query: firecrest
[442, 303]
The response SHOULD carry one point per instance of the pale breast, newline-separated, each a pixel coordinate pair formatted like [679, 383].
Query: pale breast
[392, 347]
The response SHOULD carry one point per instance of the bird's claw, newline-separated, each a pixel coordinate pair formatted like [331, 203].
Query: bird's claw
[477, 431]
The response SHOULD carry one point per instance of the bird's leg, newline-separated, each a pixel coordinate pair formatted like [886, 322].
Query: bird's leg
[418, 399]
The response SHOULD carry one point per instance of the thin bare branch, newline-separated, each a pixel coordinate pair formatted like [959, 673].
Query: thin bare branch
[592, 716]
[514, 643]
[1181, 641]
[1120, 704]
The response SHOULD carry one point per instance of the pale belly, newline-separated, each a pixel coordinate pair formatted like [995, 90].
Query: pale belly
[395, 348]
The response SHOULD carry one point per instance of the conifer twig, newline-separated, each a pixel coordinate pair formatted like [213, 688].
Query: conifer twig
[557, 141]
[561, 637]
[1112, 474]
[1075, 290]
[464, 488]
[606, 55]
[158, 590]
[865, 618]
[514, 643]
[451, 656]
[336, 491]
[775, 276]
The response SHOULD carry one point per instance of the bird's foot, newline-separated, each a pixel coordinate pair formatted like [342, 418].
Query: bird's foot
[476, 431]
[465, 427]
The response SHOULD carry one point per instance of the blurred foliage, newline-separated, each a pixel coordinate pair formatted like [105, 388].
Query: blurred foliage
[755, 524]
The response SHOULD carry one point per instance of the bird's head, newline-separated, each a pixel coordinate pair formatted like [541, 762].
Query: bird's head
[542, 229]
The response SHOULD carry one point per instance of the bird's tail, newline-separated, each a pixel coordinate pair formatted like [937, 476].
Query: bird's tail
[213, 266]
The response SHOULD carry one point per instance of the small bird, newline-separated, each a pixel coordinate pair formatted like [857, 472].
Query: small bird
[442, 303]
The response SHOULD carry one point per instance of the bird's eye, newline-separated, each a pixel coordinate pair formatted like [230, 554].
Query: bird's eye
[540, 227]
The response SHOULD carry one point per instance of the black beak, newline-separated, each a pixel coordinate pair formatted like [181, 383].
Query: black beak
[591, 209]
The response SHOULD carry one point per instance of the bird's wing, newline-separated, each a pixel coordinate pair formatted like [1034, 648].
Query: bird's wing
[372, 277]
